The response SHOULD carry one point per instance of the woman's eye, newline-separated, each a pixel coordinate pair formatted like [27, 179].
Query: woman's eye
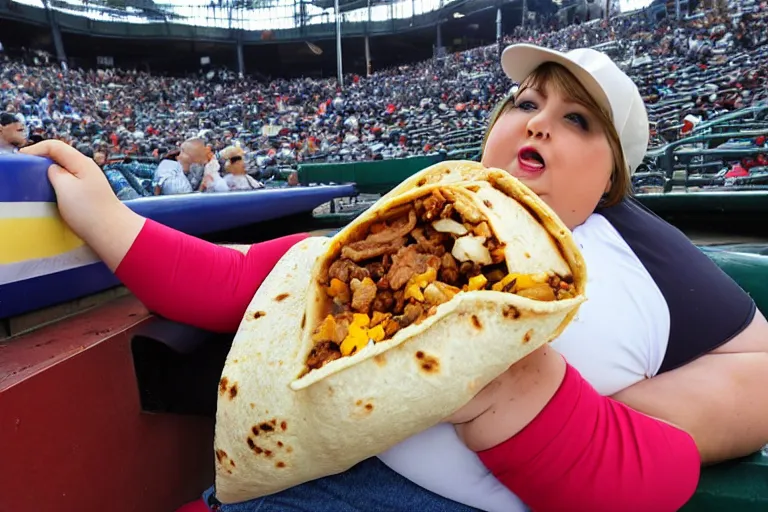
[526, 105]
[579, 120]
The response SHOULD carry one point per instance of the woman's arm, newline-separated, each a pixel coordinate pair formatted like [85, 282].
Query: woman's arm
[176, 275]
[586, 452]
[719, 398]
[188, 280]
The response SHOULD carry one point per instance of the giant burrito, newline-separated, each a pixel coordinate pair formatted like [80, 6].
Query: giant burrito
[354, 343]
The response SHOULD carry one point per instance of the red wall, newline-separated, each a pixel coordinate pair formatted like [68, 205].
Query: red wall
[72, 436]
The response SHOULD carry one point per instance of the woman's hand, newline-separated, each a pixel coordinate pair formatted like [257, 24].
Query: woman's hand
[511, 401]
[87, 203]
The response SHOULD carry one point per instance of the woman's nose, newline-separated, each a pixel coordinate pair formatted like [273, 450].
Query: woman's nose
[537, 128]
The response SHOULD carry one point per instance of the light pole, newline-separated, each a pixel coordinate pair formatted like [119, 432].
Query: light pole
[338, 44]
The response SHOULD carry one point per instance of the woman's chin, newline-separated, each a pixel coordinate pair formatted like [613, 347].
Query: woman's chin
[532, 180]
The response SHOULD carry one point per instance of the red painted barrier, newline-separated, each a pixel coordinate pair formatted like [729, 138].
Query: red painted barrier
[72, 434]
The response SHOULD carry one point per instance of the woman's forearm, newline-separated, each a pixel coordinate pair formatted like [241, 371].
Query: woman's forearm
[586, 452]
[188, 280]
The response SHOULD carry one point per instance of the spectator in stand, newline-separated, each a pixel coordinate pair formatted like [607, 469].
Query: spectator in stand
[234, 165]
[13, 134]
[183, 175]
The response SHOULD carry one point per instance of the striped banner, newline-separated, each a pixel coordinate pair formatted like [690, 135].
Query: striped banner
[37, 242]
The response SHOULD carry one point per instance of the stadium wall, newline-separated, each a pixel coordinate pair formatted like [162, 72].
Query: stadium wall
[176, 31]
[176, 49]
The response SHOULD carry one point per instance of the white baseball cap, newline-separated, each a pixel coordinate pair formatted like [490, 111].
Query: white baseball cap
[602, 78]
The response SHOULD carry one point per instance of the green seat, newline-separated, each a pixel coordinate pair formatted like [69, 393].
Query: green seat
[740, 485]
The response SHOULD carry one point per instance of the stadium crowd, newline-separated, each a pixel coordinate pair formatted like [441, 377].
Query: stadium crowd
[440, 105]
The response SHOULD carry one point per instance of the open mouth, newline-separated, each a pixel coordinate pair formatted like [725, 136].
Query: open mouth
[531, 159]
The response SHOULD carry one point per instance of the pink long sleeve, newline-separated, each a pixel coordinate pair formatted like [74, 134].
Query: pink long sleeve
[586, 452]
[188, 280]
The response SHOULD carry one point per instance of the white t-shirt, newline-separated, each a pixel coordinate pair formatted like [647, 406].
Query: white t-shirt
[618, 337]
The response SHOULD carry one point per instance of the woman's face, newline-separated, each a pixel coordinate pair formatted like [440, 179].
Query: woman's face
[557, 148]
[237, 166]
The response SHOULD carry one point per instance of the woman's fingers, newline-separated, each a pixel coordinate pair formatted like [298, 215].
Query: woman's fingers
[57, 175]
[63, 154]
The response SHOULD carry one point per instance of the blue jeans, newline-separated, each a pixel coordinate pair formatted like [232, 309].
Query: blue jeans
[368, 487]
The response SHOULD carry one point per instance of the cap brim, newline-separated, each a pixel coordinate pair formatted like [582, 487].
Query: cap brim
[520, 60]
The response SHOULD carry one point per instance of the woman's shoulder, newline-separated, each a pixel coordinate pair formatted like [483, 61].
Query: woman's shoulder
[620, 334]
[707, 308]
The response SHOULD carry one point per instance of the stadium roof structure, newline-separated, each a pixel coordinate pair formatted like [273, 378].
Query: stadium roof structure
[348, 5]
[147, 9]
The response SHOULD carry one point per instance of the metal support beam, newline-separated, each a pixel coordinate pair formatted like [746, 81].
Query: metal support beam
[240, 59]
[498, 27]
[525, 13]
[367, 44]
[58, 43]
[339, 76]
[439, 49]
[367, 57]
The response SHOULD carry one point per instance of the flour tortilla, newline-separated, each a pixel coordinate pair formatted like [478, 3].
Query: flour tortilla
[278, 426]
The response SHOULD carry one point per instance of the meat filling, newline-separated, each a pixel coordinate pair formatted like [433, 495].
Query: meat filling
[409, 264]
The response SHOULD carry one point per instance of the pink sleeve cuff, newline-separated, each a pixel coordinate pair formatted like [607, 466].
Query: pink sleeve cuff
[586, 452]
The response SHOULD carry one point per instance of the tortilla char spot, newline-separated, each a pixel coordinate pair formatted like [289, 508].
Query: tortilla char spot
[258, 450]
[422, 182]
[268, 453]
[488, 203]
[476, 322]
[234, 360]
[251, 444]
[232, 463]
[283, 426]
[258, 315]
[429, 364]
[527, 255]
[221, 455]
[303, 320]
[273, 422]
[282, 297]
[253, 405]
[223, 384]
[266, 427]
[289, 449]
[255, 430]
[233, 391]
[280, 444]
[527, 336]
[380, 360]
[359, 403]
[368, 407]
[511, 312]
[280, 464]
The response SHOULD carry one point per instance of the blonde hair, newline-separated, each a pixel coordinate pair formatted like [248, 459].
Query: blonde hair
[563, 82]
